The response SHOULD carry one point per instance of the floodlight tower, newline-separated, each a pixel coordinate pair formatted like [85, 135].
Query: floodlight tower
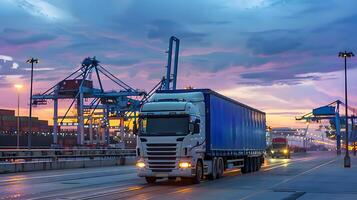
[345, 55]
[31, 61]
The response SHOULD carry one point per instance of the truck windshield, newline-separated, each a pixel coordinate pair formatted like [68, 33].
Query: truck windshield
[164, 126]
[279, 145]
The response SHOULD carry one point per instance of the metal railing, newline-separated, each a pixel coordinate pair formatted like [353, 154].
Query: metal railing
[11, 155]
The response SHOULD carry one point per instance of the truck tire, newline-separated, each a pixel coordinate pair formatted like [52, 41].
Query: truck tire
[199, 173]
[245, 168]
[150, 179]
[220, 167]
[260, 159]
[254, 164]
[257, 163]
[250, 165]
[213, 175]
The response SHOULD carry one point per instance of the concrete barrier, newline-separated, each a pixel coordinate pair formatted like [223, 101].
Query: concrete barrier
[64, 164]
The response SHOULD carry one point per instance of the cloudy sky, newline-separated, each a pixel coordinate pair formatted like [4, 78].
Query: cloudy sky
[277, 55]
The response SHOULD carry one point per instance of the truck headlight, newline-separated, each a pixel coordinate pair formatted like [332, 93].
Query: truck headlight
[184, 164]
[140, 164]
[285, 151]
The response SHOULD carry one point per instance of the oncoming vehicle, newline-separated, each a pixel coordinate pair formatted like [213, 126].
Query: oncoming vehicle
[195, 133]
[280, 148]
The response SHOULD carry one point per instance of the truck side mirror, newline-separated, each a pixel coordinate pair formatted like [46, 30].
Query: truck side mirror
[196, 128]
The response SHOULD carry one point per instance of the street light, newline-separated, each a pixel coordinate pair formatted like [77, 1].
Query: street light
[31, 61]
[18, 88]
[345, 55]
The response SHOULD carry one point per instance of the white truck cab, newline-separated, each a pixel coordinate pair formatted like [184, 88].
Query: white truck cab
[171, 136]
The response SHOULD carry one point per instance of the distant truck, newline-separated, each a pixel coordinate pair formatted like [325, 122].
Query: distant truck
[280, 148]
[198, 132]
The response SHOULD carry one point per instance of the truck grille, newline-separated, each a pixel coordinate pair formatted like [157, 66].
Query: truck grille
[161, 156]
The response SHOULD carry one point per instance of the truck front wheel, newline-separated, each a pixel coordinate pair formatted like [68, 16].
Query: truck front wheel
[150, 179]
[199, 173]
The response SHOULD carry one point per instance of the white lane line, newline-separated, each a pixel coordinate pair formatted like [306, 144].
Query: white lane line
[289, 179]
[305, 172]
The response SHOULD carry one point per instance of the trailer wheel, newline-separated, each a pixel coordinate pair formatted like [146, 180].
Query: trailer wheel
[256, 162]
[245, 168]
[259, 162]
[199, 173]
[220, 168]
[253, 164]
[150, 179]
[249, 164]
[213, 176]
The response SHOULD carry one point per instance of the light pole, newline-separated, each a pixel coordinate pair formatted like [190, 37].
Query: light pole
[18, 88]
[354, 137]
[345, 55]
[31, 61]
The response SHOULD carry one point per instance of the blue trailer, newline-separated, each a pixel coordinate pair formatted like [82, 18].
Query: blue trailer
[233, 128]
[196, 132]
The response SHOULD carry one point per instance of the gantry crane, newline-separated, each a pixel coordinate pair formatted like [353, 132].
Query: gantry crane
[79, 86]
[331, 112]
[122, 103]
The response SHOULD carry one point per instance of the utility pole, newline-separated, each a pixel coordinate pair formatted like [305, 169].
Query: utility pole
[347, 159]
[31, 61]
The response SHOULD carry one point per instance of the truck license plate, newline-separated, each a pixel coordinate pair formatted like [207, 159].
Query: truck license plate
[162, 175]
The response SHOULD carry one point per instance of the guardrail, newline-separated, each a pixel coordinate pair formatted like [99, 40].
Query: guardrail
[11, 155]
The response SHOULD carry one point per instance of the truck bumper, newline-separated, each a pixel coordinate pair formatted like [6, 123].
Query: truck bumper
[280, 155]
[186, 172]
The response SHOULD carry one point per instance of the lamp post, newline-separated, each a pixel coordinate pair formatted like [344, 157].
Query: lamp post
[345, 55]
[354, 137]
[18, 88]
[31, 61]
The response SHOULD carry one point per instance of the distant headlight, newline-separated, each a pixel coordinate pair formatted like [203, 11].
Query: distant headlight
[140, 164]
[272, 151]
[184, 164]
[285, 151]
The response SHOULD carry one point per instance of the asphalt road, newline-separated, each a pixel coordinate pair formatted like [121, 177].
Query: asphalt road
[315, 175]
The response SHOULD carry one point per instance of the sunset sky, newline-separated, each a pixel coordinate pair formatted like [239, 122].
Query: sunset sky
[279, 56]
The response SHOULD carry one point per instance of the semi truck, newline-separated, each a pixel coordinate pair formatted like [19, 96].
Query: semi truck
[198, 133]
[280, 148]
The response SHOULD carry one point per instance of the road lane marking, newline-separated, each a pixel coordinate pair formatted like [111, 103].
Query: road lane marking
[289, 179]
[305, 172]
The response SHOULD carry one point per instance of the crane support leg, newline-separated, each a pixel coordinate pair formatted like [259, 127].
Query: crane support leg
[338, 133]
[55, 122]
[80, 128]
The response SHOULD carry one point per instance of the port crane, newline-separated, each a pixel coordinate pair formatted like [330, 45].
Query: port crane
[122, 103]
[331, 112]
